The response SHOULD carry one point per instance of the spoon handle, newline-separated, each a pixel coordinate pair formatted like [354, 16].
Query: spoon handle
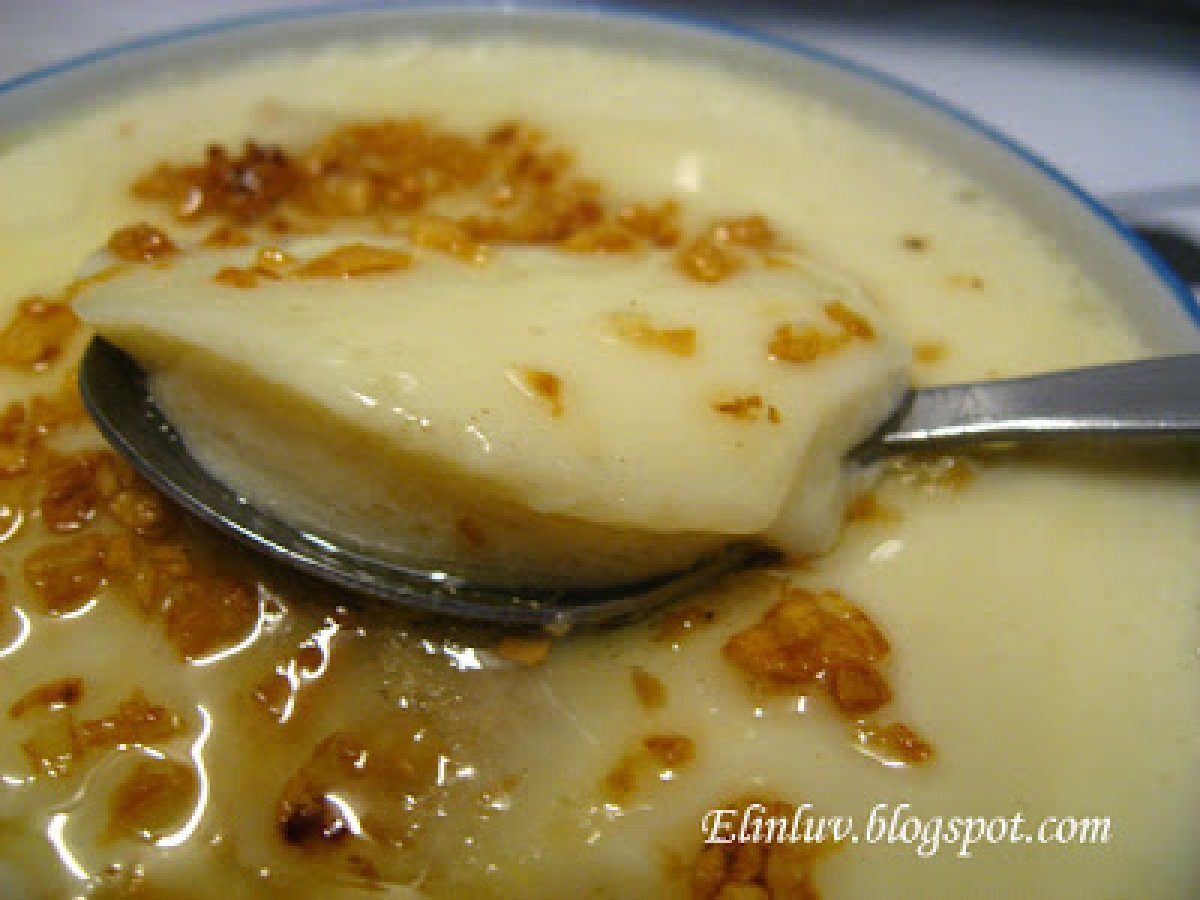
[1147, 398]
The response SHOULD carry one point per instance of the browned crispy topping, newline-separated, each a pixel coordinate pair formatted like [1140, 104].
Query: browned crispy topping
[894, 744]
[353, 261]
[741, 867]
[708, 260]
[636, 328]
[66, 575]
[930, 352]
[622, 780]
[526, 651]
[275, 693]
[243, 188]
[226, 237]
[658, 757]
[717, 252]
[204, 614]
[748, 408]
[447, 236]
[526, 191]
[471, 531]
[388, 771]
[751, 232]
[546, 385]
[852, 323]
[809, 637]
[657, 224]
[670, 750]
[136, 721]
[140, 243]
[71, 496]
[867, 508]
[37, 335]
[650, 690]
[799, 345]
[53, 695]
[156, 795]
[803, 344]
[232, 276]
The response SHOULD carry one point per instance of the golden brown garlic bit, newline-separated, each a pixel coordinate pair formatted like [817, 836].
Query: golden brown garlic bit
[156, 795]
[232, 276]
[243, 188]
[894, 744]
[636, 329]
[915, 242]
[272, 262]
[140, 243]
[809, 637]
[70, 497]
[930, 352]
[67, 575]
[226, 237]
[793, 344]
[37, 335]
[853, 324]
[748, 408]
[867, 508]
[806, 343]
[523, 649]
[658, 757]
[650, 689]
[204, 614]
[524, 190]
[543, 384]
[717, 252]
[392, 767]
[670, 750]
[820, 638]
[447, 236]
[767, 868]
[120, 532]
[136, 721]
[354, 261]
[116, 527]
[53, 695]
[471, 531]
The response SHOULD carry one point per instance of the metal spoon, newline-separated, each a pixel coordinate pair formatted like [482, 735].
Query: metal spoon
[1144, 399]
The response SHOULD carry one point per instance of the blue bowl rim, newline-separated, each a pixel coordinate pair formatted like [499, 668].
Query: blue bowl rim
[1182, 294]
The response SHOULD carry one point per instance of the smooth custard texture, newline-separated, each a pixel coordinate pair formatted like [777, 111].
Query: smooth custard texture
[595, 417]
[183, 721]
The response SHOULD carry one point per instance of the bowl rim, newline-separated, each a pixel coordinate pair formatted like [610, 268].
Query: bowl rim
[1181, 293]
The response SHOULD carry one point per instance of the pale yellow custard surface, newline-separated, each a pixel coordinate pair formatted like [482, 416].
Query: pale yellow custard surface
[648, 415]
[181, 720]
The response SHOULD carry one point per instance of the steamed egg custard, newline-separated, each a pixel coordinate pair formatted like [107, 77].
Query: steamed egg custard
[636, 307]
[536, 415]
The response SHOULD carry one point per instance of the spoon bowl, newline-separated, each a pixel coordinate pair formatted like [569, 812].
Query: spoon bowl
[1154, 398]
